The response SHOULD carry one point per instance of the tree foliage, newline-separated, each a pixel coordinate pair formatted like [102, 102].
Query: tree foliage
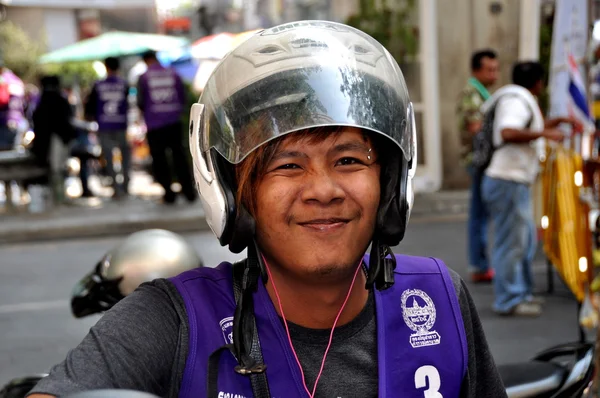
[389, 24]
[81, 73]
[21, 55]
[545, 47]
[19, 51]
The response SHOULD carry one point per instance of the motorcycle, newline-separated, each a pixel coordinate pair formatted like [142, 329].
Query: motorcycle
[141, 257]
[565, 370]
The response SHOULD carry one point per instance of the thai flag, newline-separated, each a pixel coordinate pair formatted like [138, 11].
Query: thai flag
[578, 106]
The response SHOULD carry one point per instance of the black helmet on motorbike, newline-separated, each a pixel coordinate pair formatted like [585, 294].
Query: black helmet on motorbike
[142, 257]
[20, 386]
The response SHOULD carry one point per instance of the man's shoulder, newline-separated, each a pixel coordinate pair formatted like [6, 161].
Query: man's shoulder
[215, 274]
[114, 80]
[144, 76]
[468, 88]
[204, 281]
[410, 264]
[469, 98]
[407, 264]
[468, 91]
[511, 101]
[512, 107]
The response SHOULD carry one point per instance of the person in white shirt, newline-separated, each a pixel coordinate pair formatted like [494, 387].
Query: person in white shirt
[519, 130]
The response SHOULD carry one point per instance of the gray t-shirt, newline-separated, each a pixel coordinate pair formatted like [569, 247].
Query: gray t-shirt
[142, 344]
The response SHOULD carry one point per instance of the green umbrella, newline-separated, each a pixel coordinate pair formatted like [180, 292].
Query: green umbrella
[112, 44]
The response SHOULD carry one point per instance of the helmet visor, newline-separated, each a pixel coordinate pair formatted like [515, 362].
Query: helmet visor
[279, 82]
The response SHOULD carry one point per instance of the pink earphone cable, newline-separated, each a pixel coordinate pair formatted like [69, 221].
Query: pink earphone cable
[288, 330]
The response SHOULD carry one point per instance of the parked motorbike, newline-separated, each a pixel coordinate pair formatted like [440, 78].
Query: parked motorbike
[566, 370]
[141, 257]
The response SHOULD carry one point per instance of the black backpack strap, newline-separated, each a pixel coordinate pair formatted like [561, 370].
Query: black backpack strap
[245, 334]
[484, 145]
[258, 376]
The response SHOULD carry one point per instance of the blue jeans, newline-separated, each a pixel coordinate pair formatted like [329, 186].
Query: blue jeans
[514, 243]
[477, 226]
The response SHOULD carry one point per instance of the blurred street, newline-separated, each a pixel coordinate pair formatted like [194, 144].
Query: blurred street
[141, 186]
[38, 329]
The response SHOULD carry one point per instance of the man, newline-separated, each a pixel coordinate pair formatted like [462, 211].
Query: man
[52, 116]
[506, 188]
[107, 105]
[484, 73]
[161, 98]
[305, 157]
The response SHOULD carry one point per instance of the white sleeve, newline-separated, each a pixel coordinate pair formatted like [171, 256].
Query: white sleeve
[511, 113]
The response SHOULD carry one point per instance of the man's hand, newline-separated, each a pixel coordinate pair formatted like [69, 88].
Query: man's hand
[553, 134]
[576, 124]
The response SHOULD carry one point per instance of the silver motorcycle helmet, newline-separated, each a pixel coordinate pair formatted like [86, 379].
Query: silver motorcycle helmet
[291, 78]
[142, 257]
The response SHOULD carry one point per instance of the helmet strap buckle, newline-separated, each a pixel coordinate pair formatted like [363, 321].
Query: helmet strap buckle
[381, 267]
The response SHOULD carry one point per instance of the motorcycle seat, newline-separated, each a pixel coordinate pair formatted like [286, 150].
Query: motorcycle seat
[534, 378]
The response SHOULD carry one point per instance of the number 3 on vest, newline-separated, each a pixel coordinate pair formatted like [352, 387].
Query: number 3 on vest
[430, 374]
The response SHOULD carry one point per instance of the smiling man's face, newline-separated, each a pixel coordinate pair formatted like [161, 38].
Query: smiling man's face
[316, 204]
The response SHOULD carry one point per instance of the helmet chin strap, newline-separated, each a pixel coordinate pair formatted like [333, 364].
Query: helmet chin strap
[244, 326]
[381, 269]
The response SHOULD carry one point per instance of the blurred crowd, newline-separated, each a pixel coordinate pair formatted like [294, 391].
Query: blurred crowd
[94, 126]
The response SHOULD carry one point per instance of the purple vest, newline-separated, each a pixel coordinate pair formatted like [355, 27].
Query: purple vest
[422, 346]
[163, 97]
[111, 111]
[14, 111]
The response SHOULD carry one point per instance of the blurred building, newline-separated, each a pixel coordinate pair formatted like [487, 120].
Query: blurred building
[447, 33]
[62, 22]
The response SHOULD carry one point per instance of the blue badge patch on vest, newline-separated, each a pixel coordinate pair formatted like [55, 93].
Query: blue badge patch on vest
[419, 315]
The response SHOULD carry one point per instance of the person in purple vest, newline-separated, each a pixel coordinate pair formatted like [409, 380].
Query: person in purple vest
[161, 98]
[304, 148]
[107, 105]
